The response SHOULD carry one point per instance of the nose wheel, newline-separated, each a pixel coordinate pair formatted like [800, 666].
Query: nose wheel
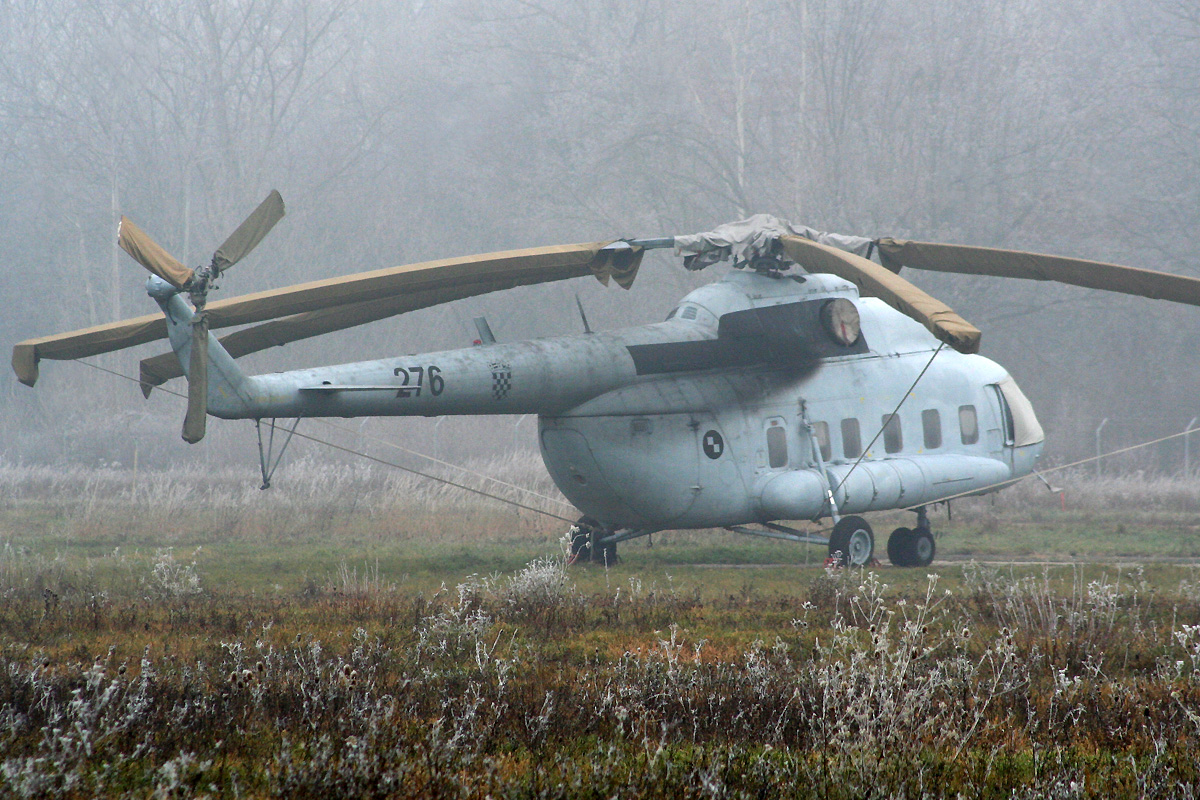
[912, 547]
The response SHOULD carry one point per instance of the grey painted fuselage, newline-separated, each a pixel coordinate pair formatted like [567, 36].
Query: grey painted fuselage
[694, 422]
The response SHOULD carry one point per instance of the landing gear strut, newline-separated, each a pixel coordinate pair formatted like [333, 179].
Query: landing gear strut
[913, 547]
[586, 545]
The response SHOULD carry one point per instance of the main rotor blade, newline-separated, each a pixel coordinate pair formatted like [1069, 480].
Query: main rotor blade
[159, 369]
[484, 273]
[197, 408]
[408, 287]
[889, 287]
[87, 342]
[1039, 267]
[149, 254]
[250, 232]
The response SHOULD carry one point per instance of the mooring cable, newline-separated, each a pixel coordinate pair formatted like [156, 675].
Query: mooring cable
[982, 490]
[367, 456]
[386, 443]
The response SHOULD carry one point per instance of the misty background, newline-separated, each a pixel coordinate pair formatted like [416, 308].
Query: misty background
[405, 131]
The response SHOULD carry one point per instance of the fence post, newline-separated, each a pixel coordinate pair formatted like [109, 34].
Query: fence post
[1099, 450]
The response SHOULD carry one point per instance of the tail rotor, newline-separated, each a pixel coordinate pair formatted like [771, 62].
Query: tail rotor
[197, 284]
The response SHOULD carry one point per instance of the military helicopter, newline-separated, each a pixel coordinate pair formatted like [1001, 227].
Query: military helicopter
[808, 383]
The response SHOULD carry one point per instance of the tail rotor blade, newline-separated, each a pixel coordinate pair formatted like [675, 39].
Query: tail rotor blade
[197, 408]
[250, 232]
[150, 255]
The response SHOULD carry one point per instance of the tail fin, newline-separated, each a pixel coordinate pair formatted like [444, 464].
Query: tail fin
[228, 386]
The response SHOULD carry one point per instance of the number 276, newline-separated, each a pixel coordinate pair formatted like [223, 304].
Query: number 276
[412, 379]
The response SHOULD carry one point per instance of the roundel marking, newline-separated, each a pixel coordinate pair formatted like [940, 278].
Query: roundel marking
[713, 444]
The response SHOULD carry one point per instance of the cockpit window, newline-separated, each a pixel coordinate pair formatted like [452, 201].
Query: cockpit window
[1025, 428]
[674, 311]
[689, 312]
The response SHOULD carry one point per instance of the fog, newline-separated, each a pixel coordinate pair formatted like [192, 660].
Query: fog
[403, 131]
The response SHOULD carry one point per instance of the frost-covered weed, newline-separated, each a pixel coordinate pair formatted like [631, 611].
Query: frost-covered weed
[171, 579]
[542, 582]
[924, 694]
[457, 628]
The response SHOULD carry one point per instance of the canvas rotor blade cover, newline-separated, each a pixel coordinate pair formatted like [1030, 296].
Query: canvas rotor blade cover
[429, 283]
[87, 342]
[250, 232]
[197, 407]
[147, 252]
[1038, 267]
[872, 279]
[161, 368]
[484, 273]
[621, 265]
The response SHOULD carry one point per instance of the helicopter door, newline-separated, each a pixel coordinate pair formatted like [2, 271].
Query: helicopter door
[651, 462]
[722, 494]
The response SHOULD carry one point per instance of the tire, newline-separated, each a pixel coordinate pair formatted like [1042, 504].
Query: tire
[899, 547]
[922, 548]
[853, 540]
[605, 554]
[581, 540]
[584, 548]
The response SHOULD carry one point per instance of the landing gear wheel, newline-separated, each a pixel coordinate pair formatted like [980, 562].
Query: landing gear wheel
[921, 548]
[585, 546]
[852, 542]
[899, 547]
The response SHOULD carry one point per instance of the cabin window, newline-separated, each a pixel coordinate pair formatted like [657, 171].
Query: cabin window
[688, 313]
[777, 454]
[821, 431]
[674, 311]
[893, 437]
[851, 439]
[931, 426]
[968, 424]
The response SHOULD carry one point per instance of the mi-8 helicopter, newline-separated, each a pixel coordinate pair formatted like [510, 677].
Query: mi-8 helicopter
[808, 383]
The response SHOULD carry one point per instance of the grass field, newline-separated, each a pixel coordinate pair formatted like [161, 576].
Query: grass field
[356, 634]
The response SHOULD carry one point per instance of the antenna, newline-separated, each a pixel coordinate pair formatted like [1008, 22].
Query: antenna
[485, 331]
[586, 328]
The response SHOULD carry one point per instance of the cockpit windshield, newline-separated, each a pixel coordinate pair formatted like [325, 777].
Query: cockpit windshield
[1025, 428]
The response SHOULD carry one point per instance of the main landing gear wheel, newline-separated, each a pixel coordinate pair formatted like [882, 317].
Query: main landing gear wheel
[923, 548]
[852, 542]
[898, 546]
[911, 547]
[585, 545]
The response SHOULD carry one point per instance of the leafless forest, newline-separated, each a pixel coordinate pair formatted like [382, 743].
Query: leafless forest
[401, 131]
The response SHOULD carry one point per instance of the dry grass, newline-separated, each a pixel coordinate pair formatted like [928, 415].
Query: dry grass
[162, 669]
[523, 685]
[313, 499]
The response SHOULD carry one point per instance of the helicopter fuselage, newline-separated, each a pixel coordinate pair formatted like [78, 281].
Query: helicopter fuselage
[739, 408]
